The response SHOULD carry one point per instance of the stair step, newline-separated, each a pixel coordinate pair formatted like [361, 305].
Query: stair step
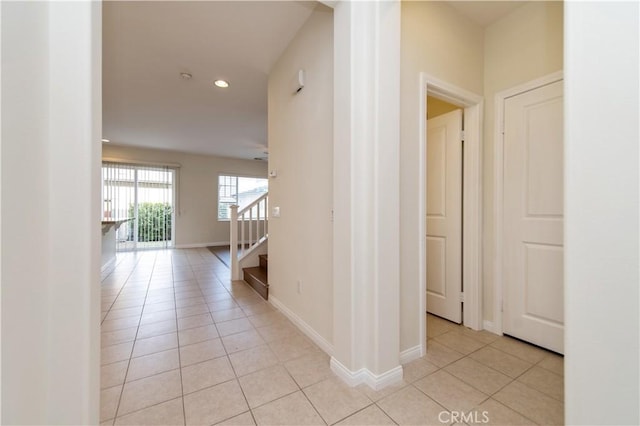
[256, 277]
[264, 261]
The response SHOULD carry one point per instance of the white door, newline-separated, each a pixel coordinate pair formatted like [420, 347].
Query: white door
[444, 216]
[533, 217]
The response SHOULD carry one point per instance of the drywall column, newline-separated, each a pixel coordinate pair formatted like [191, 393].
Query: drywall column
[50, 209]
[366, 187]
[601, 213]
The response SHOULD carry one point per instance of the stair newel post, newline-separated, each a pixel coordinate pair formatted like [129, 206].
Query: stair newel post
[233, 241]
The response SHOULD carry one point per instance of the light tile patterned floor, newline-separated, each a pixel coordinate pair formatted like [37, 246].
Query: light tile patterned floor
[182, 344]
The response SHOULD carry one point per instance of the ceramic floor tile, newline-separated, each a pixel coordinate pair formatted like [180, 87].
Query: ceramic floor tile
[155, 363]
[258, 308]
[458, 342]
[194, 321]
[227, 315]
[192, 301]
[520, 349]
[440, 355]
[411, 407]
[202, 351]
[277, 331]
[437, 326]
[156, 329]
[267, 385]
[545, 381]
[265, 319]
[109, 402]
[158, 307]
[334, 400]
[155, 344]
[292, 410]
[150, 391]
[450, 392]
[534, 405]
[292, 347]
[234, 326]
[113, 374]
[553, 362]
[254, 359]
[503, 362]
[244, 419]
[309, 369]
[220, 305]
[479, 376]
[153, 317]
[193, 310]
[114, 353]
[372, 416]
[491, 412]
[241, 341]
[168, 413]
[120, 336]
[206, 374]
[215, 404]
[376, 395]
[417, 369]
[198, 334]
[123, 313]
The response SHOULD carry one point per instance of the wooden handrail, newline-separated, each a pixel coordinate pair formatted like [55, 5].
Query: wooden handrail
[240, 223]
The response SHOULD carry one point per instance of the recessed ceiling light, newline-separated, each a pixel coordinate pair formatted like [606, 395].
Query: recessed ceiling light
[221, 83]
[106, 140]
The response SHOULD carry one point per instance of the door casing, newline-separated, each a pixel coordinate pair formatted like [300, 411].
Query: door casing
[472, 199]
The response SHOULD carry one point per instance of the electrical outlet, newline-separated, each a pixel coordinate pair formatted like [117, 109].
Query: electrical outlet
[299, 286]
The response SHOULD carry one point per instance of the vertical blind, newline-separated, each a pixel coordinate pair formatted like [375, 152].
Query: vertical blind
[143, 194]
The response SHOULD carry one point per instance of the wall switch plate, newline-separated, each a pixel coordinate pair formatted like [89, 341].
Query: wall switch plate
[275, 212]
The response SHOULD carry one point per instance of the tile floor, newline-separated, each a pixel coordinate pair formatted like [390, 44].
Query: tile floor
[182, 344]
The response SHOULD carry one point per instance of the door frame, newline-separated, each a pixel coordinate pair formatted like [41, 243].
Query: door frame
[498, 172]
[471, 199]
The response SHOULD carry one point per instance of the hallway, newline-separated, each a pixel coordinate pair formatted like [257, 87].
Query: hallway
[181, 344]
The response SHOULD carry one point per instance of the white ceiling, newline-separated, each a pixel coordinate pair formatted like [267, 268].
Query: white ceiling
[147, 44]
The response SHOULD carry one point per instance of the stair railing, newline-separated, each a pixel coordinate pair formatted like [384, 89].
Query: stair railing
[249, 228]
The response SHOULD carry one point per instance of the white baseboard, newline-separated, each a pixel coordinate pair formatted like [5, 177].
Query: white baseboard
[201, 245]
[410, 354]
[110, 264]
[364, 375]
[303, 326]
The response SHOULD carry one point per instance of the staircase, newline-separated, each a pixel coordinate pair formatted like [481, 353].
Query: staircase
[256, 277]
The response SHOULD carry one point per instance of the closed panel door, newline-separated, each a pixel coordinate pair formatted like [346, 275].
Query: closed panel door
[533, 217]
[444, 215]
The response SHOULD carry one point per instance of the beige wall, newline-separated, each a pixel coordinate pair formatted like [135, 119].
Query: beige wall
[437, 107]
[301, 151]
[439, 41]
[520, 47]
[196, 220]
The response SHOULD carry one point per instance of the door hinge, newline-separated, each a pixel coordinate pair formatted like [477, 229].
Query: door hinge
[462, 135]
[462, 296]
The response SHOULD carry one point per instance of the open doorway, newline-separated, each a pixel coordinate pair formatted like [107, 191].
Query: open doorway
[469, 109]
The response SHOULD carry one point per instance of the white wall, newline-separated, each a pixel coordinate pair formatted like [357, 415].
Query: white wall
[601, 204]
[197, 218]
[437, 40]
[301, 151]
[50, 279]
[523, 46]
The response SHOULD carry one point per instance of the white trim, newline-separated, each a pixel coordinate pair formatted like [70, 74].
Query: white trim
[201, 245]
[303, 326]
[498, 164]
[472, 213]
[410, 354]
[374, 381]
[111, 263]
[490, 327]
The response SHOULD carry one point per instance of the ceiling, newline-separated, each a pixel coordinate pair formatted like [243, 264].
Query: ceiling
[148, 44]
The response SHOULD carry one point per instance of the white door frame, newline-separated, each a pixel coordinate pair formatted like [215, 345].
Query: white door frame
[498, 168]
[472, 198]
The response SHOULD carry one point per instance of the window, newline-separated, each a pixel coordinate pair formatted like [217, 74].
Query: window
[238, 190]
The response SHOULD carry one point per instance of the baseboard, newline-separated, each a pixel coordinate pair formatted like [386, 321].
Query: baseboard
[303, 326]
[410, 354]
[201, 245]
[364, 375]
[109, 265]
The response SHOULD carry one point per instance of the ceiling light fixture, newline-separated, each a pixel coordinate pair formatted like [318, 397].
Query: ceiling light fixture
[185, 76]
[221, 83]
